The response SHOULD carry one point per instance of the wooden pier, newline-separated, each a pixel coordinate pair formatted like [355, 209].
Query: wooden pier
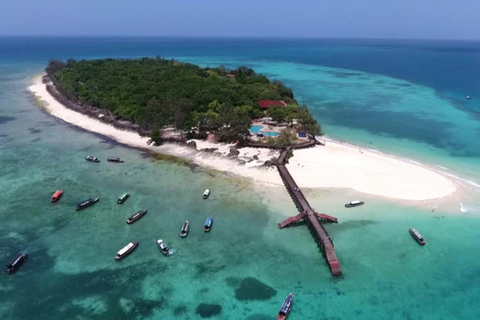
[310, 217]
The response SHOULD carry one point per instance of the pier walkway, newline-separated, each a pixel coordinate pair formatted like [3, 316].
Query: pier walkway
[310, 217]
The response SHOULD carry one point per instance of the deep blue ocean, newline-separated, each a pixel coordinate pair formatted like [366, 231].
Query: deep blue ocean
[406, 98]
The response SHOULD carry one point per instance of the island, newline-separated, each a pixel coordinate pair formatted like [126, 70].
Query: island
[338, 164]
[171, 100]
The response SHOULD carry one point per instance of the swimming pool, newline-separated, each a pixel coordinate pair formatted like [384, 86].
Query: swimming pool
[256, 129]
[271, 134]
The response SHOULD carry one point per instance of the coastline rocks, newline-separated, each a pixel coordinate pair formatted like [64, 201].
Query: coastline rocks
[193, 166]
[209, 150]
[233, 152]
[255, 157]
[192, 144]
[268, 163]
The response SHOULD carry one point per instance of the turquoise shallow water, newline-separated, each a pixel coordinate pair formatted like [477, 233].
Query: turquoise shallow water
[246, 266]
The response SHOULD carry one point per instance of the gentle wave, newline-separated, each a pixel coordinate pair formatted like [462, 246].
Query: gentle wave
[470, 182]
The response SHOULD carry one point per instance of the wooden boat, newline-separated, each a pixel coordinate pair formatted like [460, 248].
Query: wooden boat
[125, 251]
[208, 224]
[92, 159]
[114, 159]
[417, 236]
[355, 203]
[206, 194]
[16, 263]
[123, 198]
[163, 247]
[185, 229]
[57, 195]
[286, 307]
[137, 215]
[87, 203]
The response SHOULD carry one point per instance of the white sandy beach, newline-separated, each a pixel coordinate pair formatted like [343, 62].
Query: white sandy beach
[335, 165]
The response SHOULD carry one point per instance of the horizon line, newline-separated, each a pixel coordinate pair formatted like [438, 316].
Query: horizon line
[231, 37]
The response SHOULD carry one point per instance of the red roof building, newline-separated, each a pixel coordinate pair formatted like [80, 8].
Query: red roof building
[265, 104]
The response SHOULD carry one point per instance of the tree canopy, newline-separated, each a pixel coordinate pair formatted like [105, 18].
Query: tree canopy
[156, 92]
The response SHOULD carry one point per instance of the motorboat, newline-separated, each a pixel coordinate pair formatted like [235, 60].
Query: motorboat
[208, 224]
[163, 247]
[123, 198]
[125, 251]
[185, 229]
[87, 203]
[57, 195]
[417, 236]
[286, 307]
[16, 263]
[136, 216]
[468, 97]
[92, 159]
[354, 203]
[114, 159]
[206, 194]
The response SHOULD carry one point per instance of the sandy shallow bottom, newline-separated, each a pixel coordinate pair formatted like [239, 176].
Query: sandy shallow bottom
[336, 165]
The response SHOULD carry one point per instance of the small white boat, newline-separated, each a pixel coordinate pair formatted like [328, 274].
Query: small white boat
[417, 236]
[185, 229]
[163, 247]
[468, 97]
[123, 198]
[206, 193]
[354, 203]
[114, 159]
[125, 251]
[92, 159]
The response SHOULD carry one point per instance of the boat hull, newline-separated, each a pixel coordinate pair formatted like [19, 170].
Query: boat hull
[208, 224]
[57, 195]
[286, 308]
[206, 194]
[350, 205]
[16, 263]
[86, 205]
[135, 245]
[116, 160]
[165, 251]
[421, 241]
[122, 199]
[137, 216]
[185, 229]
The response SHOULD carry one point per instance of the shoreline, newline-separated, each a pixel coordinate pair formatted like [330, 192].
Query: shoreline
[336, 165]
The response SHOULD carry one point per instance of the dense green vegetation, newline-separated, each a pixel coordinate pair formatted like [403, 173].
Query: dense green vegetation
[155, 92]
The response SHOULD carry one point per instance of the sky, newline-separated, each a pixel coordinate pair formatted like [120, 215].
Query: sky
[391, 19]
